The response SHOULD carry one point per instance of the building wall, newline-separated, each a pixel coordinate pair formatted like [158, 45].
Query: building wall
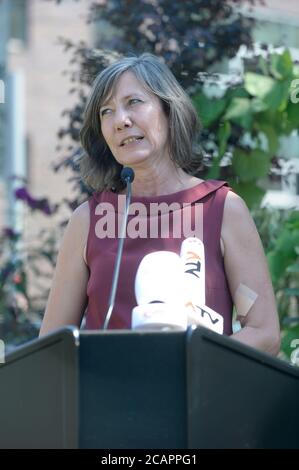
[4, 11]
[287, 11]
[42, 62]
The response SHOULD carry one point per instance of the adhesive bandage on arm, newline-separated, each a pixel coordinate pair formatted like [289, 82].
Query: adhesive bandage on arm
[244, 299]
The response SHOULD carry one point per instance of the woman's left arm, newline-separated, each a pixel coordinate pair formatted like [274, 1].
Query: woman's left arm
[248, 277]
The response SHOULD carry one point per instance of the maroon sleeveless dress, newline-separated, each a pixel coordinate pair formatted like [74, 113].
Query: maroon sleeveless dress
[101, 252]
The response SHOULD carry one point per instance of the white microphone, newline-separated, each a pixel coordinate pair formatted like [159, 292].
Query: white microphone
[170, 290]
[193, 260]
[158, 290]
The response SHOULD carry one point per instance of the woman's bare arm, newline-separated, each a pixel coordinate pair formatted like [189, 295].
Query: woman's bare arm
[67, 298]
[245, 265]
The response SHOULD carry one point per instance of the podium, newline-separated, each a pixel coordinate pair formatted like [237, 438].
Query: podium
[151, 390]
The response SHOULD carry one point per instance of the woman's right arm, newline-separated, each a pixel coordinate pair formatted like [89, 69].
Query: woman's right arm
[67, 299]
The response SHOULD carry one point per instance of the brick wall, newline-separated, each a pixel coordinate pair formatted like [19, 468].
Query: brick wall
[46, 88]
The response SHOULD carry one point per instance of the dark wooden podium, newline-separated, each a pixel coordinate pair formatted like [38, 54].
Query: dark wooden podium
[130, 389]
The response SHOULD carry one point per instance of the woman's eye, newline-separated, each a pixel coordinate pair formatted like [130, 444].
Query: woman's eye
[105, 111]
[134, 100]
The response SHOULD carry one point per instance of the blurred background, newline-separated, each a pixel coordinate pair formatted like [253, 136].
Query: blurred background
[239, 62]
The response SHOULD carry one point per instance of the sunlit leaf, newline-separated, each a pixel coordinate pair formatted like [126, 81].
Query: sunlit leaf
[239, 110]
[272, 92]
[258, 85]
[281, 65]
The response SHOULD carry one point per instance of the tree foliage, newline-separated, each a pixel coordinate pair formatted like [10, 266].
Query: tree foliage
[248, 120]
[190, 36]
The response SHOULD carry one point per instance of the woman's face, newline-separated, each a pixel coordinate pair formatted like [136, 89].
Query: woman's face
[134, 124]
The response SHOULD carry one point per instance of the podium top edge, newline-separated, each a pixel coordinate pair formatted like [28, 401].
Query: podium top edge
[245, 350]
[67, 333]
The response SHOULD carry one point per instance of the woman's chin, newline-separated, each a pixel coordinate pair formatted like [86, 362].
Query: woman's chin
[132, 159]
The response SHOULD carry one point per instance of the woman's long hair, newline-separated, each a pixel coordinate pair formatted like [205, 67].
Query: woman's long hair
[99, 168]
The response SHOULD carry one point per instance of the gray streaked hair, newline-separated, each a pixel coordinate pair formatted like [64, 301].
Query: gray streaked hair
[99, 168]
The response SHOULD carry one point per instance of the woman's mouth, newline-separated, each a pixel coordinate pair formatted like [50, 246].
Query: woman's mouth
[130, 141]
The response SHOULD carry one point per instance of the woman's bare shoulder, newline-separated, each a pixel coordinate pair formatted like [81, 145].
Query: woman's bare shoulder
[81, 212]
[237, 224]
[78, 225]
[237, 221]
[80, 217]
[234, 205]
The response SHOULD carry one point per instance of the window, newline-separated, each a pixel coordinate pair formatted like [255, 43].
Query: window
[19, 20]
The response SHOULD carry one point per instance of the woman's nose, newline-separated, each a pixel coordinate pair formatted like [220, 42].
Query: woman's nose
[122, 119]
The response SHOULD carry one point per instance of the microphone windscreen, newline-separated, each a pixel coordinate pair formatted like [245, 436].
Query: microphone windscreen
[127, 174]
[159, 278]
[193, 260]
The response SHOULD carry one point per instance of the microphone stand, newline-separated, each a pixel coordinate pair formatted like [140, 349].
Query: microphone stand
[127, 175]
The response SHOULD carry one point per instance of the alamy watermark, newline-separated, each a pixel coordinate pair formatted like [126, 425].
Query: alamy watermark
[295, 91]
[2, 92]
[295, 353]
[153, 220]
[2, 352]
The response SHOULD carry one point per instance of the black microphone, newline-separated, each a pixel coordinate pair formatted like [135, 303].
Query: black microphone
[127, 176]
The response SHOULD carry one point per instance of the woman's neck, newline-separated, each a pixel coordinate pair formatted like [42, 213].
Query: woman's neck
[158, 183]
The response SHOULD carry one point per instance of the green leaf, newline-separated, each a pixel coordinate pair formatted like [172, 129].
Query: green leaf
[287, 241]
[293, 220]
[273, 93]
[277, 264]
[284, 254]
[214, 170]
[258, 85]
[239, 110]
[294, 268]
[238, 92]
[250, 165]
[292, 291]
[251, 193]
[278, 97]
[273, 118]
[223, 135]
[257, 105]
[292, 111]
[263, 65]
[271, 135]
[208, 109]
[281, 65]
